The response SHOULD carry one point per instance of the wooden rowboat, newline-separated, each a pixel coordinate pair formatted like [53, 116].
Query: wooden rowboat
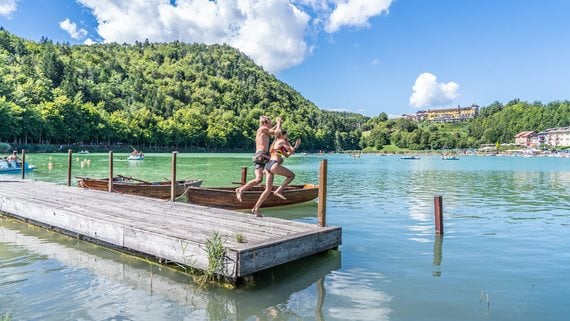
[225, 197]
[129, 185]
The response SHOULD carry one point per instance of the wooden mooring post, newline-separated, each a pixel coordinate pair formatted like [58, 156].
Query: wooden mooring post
[243, 175]
[23, 163]
[438, 211]
[322, 208]
[173, 178]
[111, 171]
[69, 163]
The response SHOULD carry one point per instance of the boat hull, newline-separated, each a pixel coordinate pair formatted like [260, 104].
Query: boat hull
[159, 190]
[225, 197]
[11, 167]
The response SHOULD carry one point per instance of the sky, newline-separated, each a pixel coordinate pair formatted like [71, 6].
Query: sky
[364, 56]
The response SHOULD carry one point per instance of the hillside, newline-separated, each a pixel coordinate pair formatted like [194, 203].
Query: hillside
[151, 94]
[495, 123]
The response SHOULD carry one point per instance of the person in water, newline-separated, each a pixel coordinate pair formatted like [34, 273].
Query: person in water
[261, 152]
[279, 149]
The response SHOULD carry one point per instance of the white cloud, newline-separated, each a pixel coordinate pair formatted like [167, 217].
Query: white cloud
[271, 32]
[72, 30]
[428, 92]
[89, 42]
[7, 7]
[355, 13]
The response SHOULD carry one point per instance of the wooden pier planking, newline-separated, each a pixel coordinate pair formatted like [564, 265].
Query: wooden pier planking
[172, 231]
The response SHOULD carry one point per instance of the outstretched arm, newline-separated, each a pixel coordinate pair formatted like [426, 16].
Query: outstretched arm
[277, 126]
[291, 149]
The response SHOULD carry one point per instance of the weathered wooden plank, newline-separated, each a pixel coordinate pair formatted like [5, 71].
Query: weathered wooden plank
[171, 231]
[279, 251]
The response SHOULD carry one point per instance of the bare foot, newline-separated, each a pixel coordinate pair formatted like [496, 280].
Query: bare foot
[256, 213]
[277, 193]
[238, 194]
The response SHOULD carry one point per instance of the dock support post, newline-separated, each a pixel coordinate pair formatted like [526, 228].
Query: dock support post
[69, 158]
[23, 163]
[111, 171]
[173, 178]
[322, 208]
[438, 211]
[243, 175]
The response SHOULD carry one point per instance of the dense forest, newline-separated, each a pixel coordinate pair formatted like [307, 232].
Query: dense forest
[147, 94]
[202, 97]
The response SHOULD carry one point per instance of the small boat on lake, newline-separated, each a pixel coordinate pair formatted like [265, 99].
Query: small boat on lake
[225, 197]
[449, 157]
[410, 157]
[136, 157]
[14, 167]
[134, 186]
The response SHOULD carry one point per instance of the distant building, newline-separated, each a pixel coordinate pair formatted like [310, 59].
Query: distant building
[445, 115]
[551, 137]
[555, 137]
[525, 138]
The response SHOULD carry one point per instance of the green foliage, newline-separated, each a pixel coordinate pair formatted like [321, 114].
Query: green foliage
[150, 94]
[178, 95]
[216, 256]
[240, 238]
[216, 259]
[7, 316]
[496, 123]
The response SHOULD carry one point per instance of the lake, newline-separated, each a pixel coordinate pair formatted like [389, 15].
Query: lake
[505, 254]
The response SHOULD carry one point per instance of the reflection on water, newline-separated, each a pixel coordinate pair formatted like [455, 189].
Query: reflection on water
[356, 296]
[507, 228]
[437, 254]
[83, 280]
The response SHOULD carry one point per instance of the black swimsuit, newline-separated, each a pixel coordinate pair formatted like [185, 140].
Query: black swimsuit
[270, 164]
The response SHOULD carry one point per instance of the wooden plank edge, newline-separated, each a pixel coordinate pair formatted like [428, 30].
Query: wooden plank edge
[286, 249]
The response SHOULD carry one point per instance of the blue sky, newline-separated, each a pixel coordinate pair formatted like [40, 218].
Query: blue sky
[366, 56]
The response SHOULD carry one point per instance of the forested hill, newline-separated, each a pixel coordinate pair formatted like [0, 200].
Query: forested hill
[496, 123]
[150, 94]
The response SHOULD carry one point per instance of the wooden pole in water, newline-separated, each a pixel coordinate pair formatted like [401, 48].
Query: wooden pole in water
[111, 171]
[23, 163]
[438, 211]
[173, 178]
[243, 175]
[69, 158]
[322, 208]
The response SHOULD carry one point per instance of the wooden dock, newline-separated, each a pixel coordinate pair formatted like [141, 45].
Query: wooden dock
[272, 288]
[167, 231]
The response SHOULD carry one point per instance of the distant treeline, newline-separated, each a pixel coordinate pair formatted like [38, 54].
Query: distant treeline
[201, 97]
[495, 123]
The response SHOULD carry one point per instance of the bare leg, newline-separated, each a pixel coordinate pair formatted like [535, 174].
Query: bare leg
[290, 176]
[258, 178]
[263, 196]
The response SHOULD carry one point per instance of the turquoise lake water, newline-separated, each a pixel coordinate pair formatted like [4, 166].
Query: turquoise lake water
[505, 254]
